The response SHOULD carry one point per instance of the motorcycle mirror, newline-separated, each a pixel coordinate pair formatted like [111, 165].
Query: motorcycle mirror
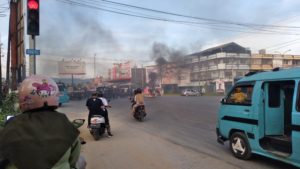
[9, 117]
[78, 122]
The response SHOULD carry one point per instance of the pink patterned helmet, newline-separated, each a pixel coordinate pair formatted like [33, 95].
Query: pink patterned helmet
[38, 91]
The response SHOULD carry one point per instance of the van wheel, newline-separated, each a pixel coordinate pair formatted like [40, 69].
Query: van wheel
[239, 146]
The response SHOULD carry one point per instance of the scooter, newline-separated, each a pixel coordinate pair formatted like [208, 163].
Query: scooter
[81, 162]
[97, 126]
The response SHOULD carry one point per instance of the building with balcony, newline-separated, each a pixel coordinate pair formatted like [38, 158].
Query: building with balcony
[214, 69]
[264, 62]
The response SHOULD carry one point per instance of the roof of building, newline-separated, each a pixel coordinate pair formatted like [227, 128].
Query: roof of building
[231, 47]
[279, 74]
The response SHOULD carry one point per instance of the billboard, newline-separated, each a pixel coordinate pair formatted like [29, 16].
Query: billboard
[71, 67]
[121, 71]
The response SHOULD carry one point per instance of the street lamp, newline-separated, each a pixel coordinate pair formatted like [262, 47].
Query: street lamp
[1, 91]
[283, 52]
[282, 56]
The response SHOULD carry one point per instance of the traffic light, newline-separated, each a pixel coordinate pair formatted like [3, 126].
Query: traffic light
[33, 17]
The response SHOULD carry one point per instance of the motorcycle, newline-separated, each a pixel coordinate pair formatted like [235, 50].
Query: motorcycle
[140, 111]
[97, 126]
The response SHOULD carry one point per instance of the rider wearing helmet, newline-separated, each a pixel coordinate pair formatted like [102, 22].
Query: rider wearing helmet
[138, 99]
[39, 137]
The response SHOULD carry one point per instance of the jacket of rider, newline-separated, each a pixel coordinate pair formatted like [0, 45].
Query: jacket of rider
[40, 139]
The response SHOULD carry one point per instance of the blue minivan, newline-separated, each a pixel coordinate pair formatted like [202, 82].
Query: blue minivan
[63, 94]
[261, 115]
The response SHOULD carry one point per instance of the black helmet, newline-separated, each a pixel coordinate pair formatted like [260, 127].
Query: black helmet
[100, 94]
[138, 90]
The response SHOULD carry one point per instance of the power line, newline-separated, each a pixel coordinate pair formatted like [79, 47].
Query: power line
[285, 46]
[284, 43]
[199, 18]
[207, 21]
[189, 23]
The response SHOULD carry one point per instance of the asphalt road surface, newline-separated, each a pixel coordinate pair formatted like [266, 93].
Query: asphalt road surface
[178, 133]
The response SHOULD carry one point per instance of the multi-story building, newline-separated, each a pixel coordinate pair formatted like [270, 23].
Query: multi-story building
[214, 69]
[263, 61]
[138, 77]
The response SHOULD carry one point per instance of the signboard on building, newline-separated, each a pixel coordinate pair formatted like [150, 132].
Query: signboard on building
[71, 67]
[220, 86]
[170, 74]
[121, 71]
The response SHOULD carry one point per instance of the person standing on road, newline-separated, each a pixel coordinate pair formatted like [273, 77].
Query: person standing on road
[106, 105]
[95, 107]
[39, 137]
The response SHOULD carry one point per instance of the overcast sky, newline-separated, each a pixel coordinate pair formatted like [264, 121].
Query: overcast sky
[69, 31]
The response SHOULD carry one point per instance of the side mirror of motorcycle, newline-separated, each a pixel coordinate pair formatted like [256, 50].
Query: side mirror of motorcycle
[78, 122]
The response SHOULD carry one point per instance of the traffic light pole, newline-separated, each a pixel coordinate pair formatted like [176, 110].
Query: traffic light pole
[34, 57]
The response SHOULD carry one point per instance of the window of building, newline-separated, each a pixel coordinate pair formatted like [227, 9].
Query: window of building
[256, 61]
[239, 73]
[296, 62]
[222, 75]
[215, 74]
[266, 61]
[287, 62]
[228, 74]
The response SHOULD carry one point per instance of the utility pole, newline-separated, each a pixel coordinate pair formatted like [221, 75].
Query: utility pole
[14, 41]
[1, 90]
[8, 61]
[95, 65]
[34, 56]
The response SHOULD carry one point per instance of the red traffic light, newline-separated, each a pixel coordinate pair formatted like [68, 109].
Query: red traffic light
[33, 5]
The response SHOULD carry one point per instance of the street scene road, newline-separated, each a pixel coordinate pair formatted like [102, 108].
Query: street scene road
[178, 133]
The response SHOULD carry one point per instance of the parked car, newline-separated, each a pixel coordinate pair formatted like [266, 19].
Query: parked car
[190, 92]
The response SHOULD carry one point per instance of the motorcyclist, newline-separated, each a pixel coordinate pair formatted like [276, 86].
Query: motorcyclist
[106, 105]
[138, 99]
[95, 106]
[39, 137]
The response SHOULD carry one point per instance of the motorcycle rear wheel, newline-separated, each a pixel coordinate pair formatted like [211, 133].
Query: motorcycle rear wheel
[95, 134]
